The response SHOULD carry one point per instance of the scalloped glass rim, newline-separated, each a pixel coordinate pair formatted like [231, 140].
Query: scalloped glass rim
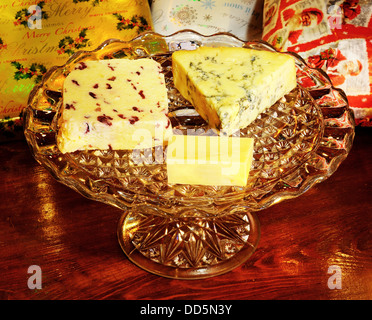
[333, 147]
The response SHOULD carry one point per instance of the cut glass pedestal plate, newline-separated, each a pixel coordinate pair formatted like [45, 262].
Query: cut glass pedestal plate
[193, 231]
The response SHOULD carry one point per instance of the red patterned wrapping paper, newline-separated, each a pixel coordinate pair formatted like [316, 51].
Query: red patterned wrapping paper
[333, 35]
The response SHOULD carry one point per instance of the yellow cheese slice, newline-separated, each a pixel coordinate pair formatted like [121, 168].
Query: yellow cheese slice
[230, 87]
[209, 160]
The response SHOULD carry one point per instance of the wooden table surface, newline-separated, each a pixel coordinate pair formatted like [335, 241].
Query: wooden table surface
[73, 241]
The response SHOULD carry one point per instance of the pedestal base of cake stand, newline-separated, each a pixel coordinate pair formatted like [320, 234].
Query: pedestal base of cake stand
[188, 247]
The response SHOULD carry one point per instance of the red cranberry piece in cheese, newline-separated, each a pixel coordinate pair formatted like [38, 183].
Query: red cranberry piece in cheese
[105, 119]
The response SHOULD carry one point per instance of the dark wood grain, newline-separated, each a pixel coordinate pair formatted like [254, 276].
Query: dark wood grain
[73, 240]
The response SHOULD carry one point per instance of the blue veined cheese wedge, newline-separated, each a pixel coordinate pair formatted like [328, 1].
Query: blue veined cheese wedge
[229, 87]
[209, 160]
[117, 104]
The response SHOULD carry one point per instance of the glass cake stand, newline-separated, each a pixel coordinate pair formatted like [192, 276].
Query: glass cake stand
[192, 231]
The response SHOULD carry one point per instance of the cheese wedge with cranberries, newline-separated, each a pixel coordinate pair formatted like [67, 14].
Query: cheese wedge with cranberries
[114, 104]
[229, 87]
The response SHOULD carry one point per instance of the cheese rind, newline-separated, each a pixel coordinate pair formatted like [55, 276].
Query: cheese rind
[114, 104]
[230, 86]
[209, 160]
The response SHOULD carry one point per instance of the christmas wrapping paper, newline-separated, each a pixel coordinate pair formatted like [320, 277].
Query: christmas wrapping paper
[35, 35]
[333, 35]
[243, 18]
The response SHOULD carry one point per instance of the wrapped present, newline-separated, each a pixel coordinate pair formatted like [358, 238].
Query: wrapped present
[333, 35]
[243, 18]
[35, 35]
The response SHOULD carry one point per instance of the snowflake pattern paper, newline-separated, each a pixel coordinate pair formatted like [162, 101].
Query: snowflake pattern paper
[242, 18]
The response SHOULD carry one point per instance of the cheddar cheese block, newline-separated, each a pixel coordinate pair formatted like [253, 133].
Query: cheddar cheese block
[114, 104]
[229, 87]
[209, 160]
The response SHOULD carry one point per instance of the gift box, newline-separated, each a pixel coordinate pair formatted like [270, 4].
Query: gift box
[35, 35]
[333, 35]
[243, 18]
